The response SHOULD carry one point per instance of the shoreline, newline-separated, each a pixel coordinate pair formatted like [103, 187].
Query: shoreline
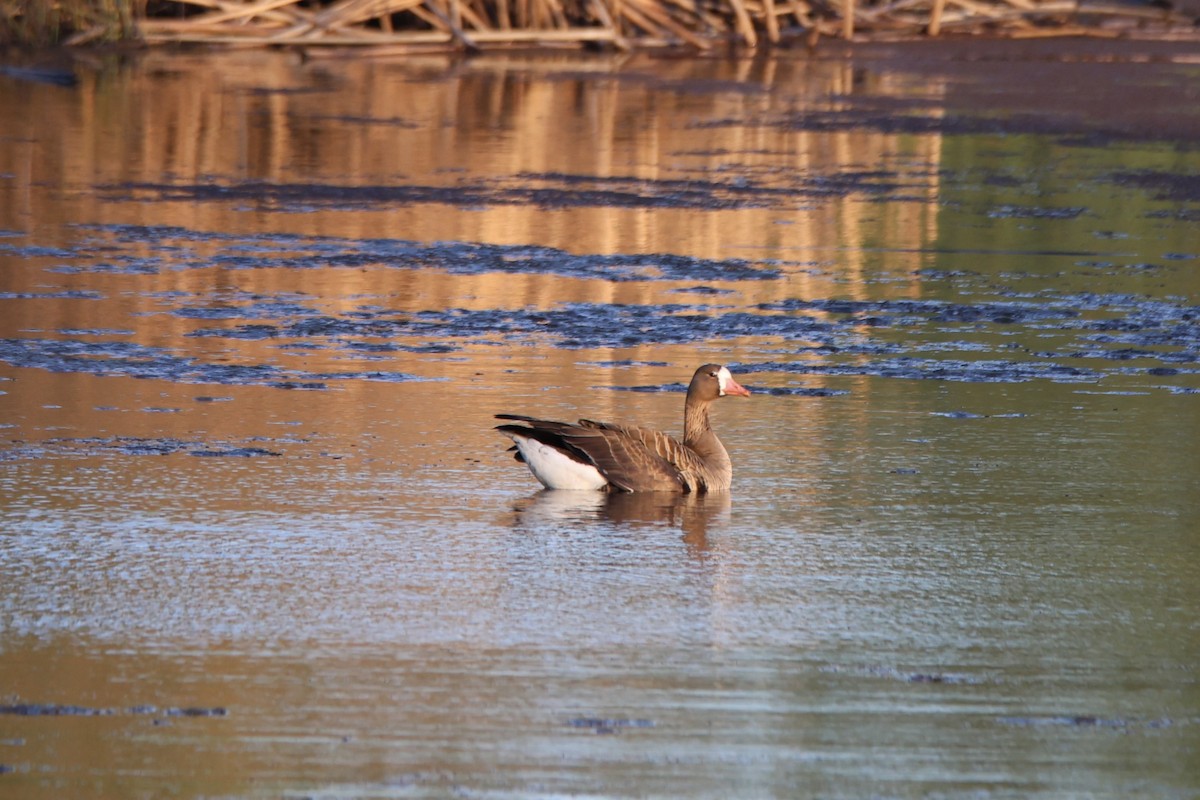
[472, 26]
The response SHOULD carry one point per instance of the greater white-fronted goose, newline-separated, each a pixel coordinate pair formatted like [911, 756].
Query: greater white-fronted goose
[598, 456]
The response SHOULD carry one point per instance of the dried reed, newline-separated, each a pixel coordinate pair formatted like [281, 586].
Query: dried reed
[476, 24]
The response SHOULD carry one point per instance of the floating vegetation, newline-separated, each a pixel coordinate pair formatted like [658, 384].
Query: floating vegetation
[137, 361]
[993, 334]
[549, 190]
[455, 257]
[57, 710]
[131, 446]
[603, 725]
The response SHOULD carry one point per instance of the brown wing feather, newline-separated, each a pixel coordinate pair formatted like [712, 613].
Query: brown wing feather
[627, 461]
[630, 458]
[684, 463]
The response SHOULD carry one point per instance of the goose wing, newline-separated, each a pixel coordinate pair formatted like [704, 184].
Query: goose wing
[684, 462]
[628, 457]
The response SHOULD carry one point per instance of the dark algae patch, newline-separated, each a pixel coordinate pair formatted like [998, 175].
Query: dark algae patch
[547, 190]
[1057, 337]
[1092, 721]
[1173, 186]
[964, 323]
[131, 360]
[56, 710]
[899, 339]
[179, 249]
[132, 446]
[604, 725]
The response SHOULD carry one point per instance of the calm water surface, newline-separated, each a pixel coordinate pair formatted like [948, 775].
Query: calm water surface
[257, 538]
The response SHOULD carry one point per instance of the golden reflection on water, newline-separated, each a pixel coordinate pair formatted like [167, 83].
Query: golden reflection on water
[174, 119]
[271, 118]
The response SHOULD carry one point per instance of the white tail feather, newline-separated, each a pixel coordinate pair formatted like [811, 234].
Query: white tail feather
[557, 470]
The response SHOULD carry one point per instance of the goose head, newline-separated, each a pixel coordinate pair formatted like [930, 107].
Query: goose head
[712, 381]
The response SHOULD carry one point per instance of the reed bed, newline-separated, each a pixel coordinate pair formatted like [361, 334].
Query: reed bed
[474, 25]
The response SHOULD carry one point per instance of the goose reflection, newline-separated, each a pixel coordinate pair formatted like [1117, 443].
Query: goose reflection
[692, 514]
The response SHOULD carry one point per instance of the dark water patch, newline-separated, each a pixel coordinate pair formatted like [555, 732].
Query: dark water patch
[1127, 354]
[1180, 187]
[235, 452]
[932, 274]
[250, 307]
[53, 710]
[797, 391]
[367, 375]
[1155, 328]
[890, 116]
[1176, 214]
[1106, 330]
[548, 190]
[708, 290]
[77, 355]
[372, 347]
[192, 711]
[859, 119]
[912, 368]
[892, 673]
[1085, 721]
[131, 446]
[246, 332]
[1044, 334]
[35, 251]
[310, 386]
[66, 294]
[121, 265]
[355, 119]
[1108, 327]
[211, 312]
[572, 326]
[627, 362]
[603, 725]
[128, 359]
[288, 90]
[1035, 212]
[910, 312]
[95, 332]
[285, 251]
[655, 388]
[60, 710]
[21, 451]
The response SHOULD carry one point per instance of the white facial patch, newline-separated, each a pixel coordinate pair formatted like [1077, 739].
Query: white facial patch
[723, 379]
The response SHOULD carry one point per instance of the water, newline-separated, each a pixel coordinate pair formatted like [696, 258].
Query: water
[258, 539]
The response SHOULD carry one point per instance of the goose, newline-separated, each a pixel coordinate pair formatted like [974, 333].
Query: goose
[602, 456]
